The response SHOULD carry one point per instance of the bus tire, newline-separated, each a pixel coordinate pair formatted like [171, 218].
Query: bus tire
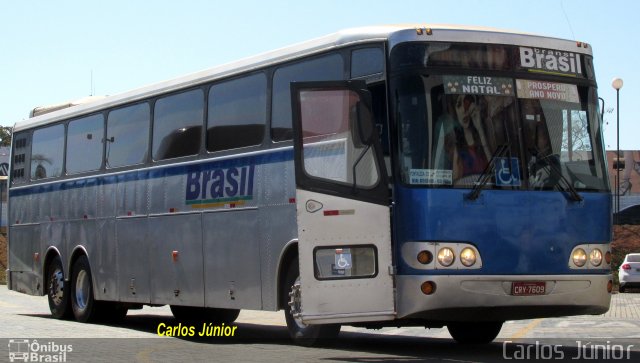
[193, 314]
[474, 332]
[85, 307]
[301, 333]
[57, 292]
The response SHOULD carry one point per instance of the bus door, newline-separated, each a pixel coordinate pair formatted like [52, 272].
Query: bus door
[342, 200]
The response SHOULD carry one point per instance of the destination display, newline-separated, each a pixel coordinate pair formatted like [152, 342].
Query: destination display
[543, 90]
[478, 85]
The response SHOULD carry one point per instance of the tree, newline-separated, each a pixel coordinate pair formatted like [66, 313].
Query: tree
[5, 136]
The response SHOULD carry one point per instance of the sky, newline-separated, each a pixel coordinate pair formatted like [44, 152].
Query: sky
[57, 51]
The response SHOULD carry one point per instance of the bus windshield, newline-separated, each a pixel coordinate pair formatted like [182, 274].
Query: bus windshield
[457, 114]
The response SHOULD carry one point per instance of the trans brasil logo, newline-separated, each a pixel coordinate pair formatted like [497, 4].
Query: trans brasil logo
[547, 60]
[220, 186]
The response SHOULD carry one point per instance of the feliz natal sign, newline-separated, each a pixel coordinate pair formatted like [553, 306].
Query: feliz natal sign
[478, 85]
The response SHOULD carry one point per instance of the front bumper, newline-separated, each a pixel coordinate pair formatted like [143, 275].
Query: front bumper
[489, 298]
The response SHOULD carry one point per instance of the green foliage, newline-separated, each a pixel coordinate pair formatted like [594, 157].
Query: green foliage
[5, 135]
[626, 240]
[617, 256]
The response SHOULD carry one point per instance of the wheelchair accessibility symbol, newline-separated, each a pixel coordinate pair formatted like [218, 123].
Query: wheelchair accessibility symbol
[342, 259]
[507, 172]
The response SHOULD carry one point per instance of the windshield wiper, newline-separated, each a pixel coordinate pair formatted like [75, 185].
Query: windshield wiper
[573, 193]
[486, 173]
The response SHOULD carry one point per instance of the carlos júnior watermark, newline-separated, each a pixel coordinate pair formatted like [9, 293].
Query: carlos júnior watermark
[581, 351]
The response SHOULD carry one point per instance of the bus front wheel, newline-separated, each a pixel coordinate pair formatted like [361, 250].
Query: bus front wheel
[58, 290]
[474, 332]
[300, 332]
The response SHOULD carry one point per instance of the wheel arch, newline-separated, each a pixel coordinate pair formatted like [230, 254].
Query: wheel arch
[77, 252]
[289, 252]
[51, 253]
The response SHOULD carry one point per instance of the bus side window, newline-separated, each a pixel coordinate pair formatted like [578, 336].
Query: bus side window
[237, 113]
[326, 68]
[128, 135]
[177, 125]
[367, 62]
[84, 144]
[47, 152]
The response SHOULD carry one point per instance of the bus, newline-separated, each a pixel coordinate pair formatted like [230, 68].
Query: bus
[387, 176]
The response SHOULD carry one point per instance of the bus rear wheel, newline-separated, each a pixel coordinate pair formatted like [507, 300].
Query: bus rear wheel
[85, 308]
[475, 332]
[301, 333]
[204, 315]
[58, 290]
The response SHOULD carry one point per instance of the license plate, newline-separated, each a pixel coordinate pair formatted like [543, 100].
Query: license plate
[528, 288]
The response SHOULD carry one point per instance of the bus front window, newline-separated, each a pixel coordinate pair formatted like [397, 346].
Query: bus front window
[451, 127]
[459, 106]
[561, 135]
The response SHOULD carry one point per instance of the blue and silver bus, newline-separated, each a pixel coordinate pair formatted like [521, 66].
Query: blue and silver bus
[382, 176]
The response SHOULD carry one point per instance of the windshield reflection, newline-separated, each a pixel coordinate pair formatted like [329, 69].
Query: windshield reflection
[451, 125]
[563, 134]
[453, 143]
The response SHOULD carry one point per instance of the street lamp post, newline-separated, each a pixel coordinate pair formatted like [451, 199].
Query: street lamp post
[617, 85]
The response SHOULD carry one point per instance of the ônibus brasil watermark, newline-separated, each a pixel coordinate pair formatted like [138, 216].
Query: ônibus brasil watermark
[26, 350]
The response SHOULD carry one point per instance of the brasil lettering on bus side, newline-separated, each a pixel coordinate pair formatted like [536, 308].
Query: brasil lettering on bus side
[219, 187]
[547, 60]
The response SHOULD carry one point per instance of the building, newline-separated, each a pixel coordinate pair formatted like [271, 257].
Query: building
[4, 172]
[629, 189]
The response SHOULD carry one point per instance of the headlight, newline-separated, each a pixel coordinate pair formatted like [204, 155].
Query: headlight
[590, 255]
[468, 257]
[446, 256]
[595, 257]
[579, 257]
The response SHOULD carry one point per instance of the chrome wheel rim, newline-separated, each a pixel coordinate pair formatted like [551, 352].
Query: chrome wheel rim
[56, 286]
[295, 304]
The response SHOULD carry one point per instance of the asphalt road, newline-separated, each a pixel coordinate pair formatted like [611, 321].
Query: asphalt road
[26, 327]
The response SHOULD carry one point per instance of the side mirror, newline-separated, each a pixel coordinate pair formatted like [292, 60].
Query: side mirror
[363, 129]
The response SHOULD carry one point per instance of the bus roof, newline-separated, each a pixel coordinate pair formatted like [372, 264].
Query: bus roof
[394, 34]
